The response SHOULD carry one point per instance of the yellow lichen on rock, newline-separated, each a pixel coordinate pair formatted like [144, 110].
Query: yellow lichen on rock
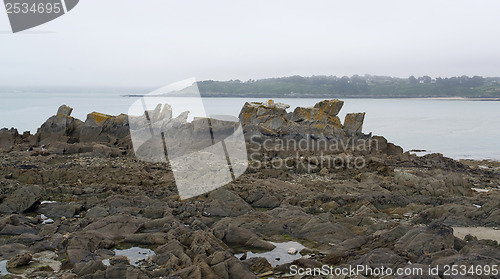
[99, 117]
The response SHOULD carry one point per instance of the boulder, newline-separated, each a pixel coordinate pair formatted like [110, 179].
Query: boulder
[353, 123]
[225, 203]
[21, 200]
[315, 116]
[8, 138]
[61, 127]
[93, 128]
[64, 110]
[264, 114]
[330, 107]
[258, 265]
[116, 226]
[107, 129]
[321, 115]
[90, 267]
[115, 260]
[420, 241]
[124, 271]
[19, 260]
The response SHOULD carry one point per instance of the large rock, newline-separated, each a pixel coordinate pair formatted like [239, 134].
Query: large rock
[116, 226]
[353, 123]
[225, 203]
[420, 241]
[330, 107]
[315, 116]
[61, 127]
[323, 113]
[19, 260]
[7, 138]
[103, 128]
[270, 114]
[64, 110]
[21, 200]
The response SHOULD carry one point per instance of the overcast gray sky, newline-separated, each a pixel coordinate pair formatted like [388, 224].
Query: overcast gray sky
[156, 42]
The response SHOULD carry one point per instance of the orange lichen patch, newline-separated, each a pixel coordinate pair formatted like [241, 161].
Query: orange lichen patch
[99, 117]
[319, 126]
[247, 116]
[335, 120]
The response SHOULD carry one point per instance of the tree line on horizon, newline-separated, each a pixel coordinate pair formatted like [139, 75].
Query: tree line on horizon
[355, 86]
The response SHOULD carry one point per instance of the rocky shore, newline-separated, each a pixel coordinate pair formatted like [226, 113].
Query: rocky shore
[75, 202]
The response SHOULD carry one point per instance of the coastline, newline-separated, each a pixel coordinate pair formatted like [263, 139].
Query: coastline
[76, 197]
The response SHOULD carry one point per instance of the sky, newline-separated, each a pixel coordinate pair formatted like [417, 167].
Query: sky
[157, 42]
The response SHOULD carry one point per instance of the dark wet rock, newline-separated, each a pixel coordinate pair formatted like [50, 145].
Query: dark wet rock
[116, 260]
[19, 260]
[116, 226]
[147, 238]
[58, 210]
[83, 244]
[233, 234]
[420, 241]
[382, 257]
[10, 250]
[27, 239]
[258, 265]
[88, 268]
[97, 212]
[262, 199]
[236, 269]
[23, 199]
[124, 271]
[17, 230]
[224, 203]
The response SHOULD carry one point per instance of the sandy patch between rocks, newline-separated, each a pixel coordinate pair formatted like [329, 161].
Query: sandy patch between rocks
[479, 232]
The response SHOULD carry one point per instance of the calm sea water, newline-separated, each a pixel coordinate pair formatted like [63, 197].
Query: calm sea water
[457, 128]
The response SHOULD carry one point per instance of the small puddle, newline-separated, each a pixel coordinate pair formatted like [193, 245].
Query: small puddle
[278, 255]
[479, 232]
[134, 254]
[3, 268]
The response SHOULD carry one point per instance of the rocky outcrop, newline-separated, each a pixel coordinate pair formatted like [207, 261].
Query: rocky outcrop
[272, 118]
[353, 123]
[64, 134]
[8, 138]
[19, 260]
[21, 200]
[107, 129]
[60, 128]
[318, 127]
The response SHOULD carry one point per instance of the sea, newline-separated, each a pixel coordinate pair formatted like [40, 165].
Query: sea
[457, 128]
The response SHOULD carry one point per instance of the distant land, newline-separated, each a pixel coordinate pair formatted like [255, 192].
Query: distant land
[367, 86]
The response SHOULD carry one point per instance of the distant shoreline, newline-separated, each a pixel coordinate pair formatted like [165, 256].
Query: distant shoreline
[319, 97]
